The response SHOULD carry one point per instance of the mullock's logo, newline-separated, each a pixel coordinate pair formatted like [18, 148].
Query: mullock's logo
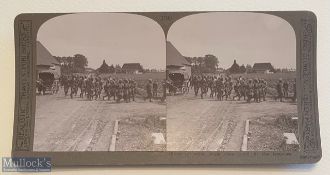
[26, 164]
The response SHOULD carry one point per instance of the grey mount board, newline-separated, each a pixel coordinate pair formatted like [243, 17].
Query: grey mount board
[304, 24]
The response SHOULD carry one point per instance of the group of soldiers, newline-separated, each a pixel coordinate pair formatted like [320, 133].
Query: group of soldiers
[95, 88]
[282, 88]
[219, 87]
[223, 87]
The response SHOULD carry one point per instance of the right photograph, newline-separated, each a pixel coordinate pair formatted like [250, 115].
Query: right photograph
[231, 83]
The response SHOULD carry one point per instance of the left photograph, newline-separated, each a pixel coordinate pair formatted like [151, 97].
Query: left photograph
[100, 84]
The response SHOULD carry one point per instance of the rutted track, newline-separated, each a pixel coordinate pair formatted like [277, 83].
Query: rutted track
[196, 124]
[64, 124]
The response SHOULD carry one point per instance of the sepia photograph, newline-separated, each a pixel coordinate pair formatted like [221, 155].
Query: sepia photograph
[166, 88]
[218, 81]
[101, 84]
[231, 81]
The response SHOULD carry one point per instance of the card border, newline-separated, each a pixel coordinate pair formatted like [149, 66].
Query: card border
[304, 24]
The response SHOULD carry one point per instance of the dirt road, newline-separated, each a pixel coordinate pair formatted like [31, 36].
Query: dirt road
[195, 124]
[64, 124]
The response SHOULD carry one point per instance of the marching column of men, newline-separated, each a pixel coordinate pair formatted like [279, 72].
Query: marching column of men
[222, 88]
[106, 88]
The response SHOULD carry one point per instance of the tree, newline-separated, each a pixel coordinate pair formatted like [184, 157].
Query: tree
[104, 68]
[211, 62]
[235, 68]
[118, 69]
[242, 69]
[75, 64]
[79, 62]
[277, 70]
[112, 69]
[194, 60]
[200, 61]
[207, 64]
[248, 68]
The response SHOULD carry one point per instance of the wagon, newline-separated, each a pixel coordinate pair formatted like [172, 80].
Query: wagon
[178, 83]
[47, 83]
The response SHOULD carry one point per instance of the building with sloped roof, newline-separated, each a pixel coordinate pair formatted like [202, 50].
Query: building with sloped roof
[263, 68]
[46, 63]
[235, 68]
[132, 68]
[176, 62]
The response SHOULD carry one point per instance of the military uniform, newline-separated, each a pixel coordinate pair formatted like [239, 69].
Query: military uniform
[196, 85]
[237, 90]
[154, 89]
[132, 89]
[256, 91]
[164, 86]
[73, 85]
[263, 89]
[89, 88]
[249, 91]
[126, 96]
[228, 88]
[149, 91]
[112, 89]
[220, 88]
[120, 90]
[82, 86]
[106, 88]
[40, 87]
[279, 88]
[203, 86]
[294, 91]
[285, 89]
[242, 89]
[213, 89]
[66, 85]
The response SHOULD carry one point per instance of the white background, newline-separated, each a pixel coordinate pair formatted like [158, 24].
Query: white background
[10, 8]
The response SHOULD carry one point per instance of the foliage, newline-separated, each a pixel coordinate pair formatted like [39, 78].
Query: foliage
[207, 64]
[75, 64]
[248, 68]
[235, 68]
[242, 69]
[105, 68]
[211, 62]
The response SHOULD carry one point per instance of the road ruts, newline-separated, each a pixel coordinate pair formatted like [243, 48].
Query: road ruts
[65, 124]
[195, 124]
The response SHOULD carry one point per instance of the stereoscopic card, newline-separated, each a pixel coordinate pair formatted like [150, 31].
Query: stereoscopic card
[160, 88]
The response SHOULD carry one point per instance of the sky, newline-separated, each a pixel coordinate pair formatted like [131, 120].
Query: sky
[114, 37]
[244, 36]
[120, 38]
